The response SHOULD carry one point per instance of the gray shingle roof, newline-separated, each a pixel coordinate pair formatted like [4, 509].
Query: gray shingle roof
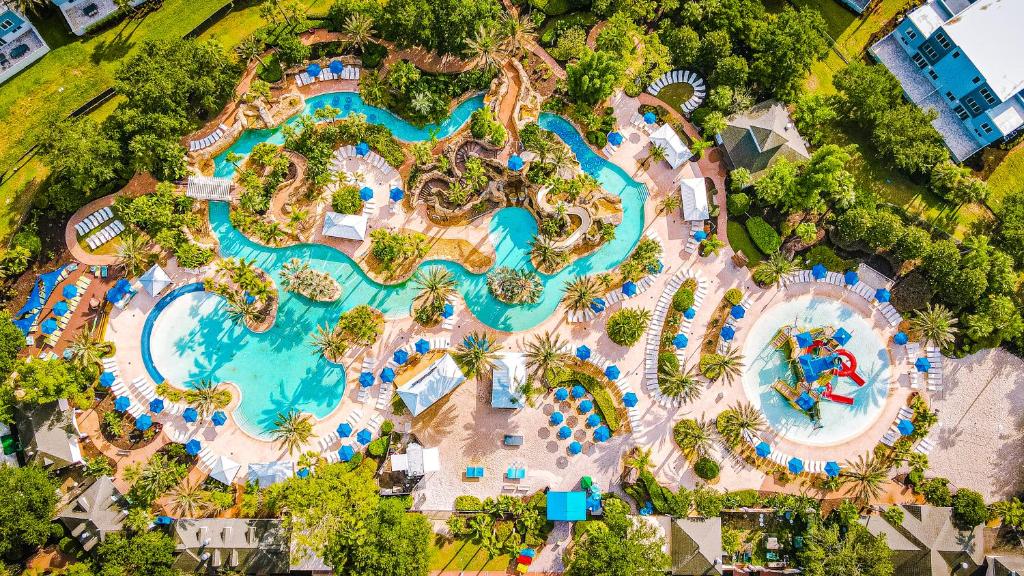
[50, 435]
[927, 543]
[696, 546]
[258, 546]
[94, 513]
[757, 138]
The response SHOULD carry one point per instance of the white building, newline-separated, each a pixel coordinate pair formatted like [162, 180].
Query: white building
[694, 194]
[675, 151]
[20, 42]
[429, 386]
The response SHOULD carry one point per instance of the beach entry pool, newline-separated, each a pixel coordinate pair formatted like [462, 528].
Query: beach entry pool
[193, 339]
[844, 408]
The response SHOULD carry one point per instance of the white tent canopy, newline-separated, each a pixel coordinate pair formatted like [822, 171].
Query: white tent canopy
[694, 194]
[155, 280]
[348, 226]
[206, 188]
[417, 460]
[675, 151]
[268, 473]
[432, 384]
[224, 469]
[509, 375]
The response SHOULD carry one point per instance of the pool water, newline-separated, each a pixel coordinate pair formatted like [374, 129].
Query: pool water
[765, 365]
[192, 338]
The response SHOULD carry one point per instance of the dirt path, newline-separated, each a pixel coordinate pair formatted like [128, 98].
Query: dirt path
[507, 106]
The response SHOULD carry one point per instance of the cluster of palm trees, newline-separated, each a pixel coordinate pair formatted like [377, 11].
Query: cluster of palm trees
[297, 276]
[476, 354]
[435, 286]
[491, 43]
[514, 286]
[546, 254]
[247, 297]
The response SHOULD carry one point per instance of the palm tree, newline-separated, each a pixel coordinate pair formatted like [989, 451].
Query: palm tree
[656, 153]
[684, 386]
[435, 286]
[328, 343]
[476, 353]
[271, 233]
[87, 349]
[580, 293]
[359, 28]
[520, 30]
[544, 354]
[727, 366]
[421, 103]
[712, 245]
[544, 252]
[204, 397]
[693, 437]
[670, 203]
[865, 476]
[240, 310]
[771, 271]
[297, 219]
[189, 500]
[562, 160]
[484, 48]
[250, 49]
[292, 429]
[739, 419]
[640, 458]
[133, 254]
[934, 325]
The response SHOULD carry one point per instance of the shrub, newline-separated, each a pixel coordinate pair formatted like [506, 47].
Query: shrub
[682, 300]
[737, 203]
[894, 515]
[969, 508]
[828, 258]
[763, 235]
[377, 448]
[387, 428]
[708, 501]
[373, 54]
[706, 468]
[734, 296]
[742, 499]
[626, 326]
[468, 504]
[668, 363]
[483, 126]
[346, 200]
[936, 492]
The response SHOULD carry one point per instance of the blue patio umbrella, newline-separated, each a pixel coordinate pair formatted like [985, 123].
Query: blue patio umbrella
[107, 379]
[156, 405]
[689, 313]
[575, 448]
[396, 194]
[738, 312]
[583, 352]
[763, 449]
[728, 333]
[515, 162]
[121, 403]
[629, 288]
[387, 375]
[336, 67]
[400, 356]
[586, 406]
[249, 298]
[650, 117]
[49, 326]
[163, 520]
[344, 430]
[680, 341]
[313, 69]
[614, 138]
[612, 372]
[556, 418]
[364, 436]
[422, 346]
[561, 394]
[219, 418]
[60, 308]
[598, 305]
[796, 465]
[922, 364]
[850, 277]
[906, 427]
[630, 399]
[302, 472]
[447, 311]
[190, 414]
[193, 447]
[143, 422]
[593, 420]
[818, 271]
[578, 391]
[362, 148]
[832, 468]
[564, 432]
[69, 291]
[700, 235]
[842, 336]
[366, 379]
[345, 453]
[602, 434]
[901, 338]
[365, 193]
[883, 295]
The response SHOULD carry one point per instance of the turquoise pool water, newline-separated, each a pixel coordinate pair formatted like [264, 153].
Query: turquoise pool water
[765, 365]
[193, 338]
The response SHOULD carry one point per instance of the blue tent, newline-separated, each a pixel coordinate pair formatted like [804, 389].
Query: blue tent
[193, 447]
[362, 148]
[614, 138]
[387, 375]
[556, 418]
[156, 405]
[583, 352]
[401, 356]
[819, 271]
[689, 313]
[60, 308]
[593, 420]
[422, 346]
[738, 312]
[832, 469]
[804, 340]
[69, 291]
[515, 162]
[728, 333]
[336, 67]
[313, 69]
[901, 338]
[700, 235]
[447, 311]
[345, 453]
[680, 341]
[163, 521]
[396, 194]
[364, 436]
[575, 448]
[883, 295]
[564, 432]
[796, 465]
[302, 472]
[107, 379]
[906, 427]
[567, 506]
[922, 364]
[851, 277]
[586, 406]
[630, 399]
[344, 430]
[143, 422]
[763, 449]
[602, 434]
[650, 117]
[578, 391]
[49, 326]
[598, 305]
[842, 336]
[121, 403]
[190, 414]
[804, 401]
[219, 418]
[612, 372]
[365, 193]
[629, 288]
[561, 394]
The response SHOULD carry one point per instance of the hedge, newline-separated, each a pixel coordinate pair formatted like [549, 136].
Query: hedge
[468, 504]
[763, 235]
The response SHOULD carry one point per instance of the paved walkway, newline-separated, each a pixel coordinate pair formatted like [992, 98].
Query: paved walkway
[422, 58]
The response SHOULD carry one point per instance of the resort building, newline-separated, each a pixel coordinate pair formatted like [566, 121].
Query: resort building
[20, 42]
[1004, 565]
[927, 543]
[695, 546]
[50, 435]
[84, 14]
[961, 59]
[755, 139]
[216, 545]
[429, 386]
[94, 513]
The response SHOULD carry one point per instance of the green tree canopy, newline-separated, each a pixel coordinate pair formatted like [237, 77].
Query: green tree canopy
[149, 553]
[394, 543]
[626, 548]
[856, 553]
[594, 76]
[28, 506]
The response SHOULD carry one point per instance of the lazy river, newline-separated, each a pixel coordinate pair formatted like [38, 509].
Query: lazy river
[190, 336]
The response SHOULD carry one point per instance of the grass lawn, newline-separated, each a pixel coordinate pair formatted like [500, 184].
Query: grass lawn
[1007, 177]
[462, 555]
[740, 241]
[675, 95]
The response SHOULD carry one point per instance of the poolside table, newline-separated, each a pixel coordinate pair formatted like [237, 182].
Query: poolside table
[513, 440]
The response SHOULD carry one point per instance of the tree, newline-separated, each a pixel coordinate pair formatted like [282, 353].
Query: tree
[133, 254]
[711, 246]
[825, 177]
[670, 203]
[251, 48]
[640, 458]
[546, 254]
[995, 320]
[150, 553]
[852, 551]
[956, 184]
[521, 31]
[884, 231]
[189, 500]
[594, 76]
[394, 543]
[204, 396]
[814, 115]
[359, 29]
[934, 325]
[694, 437]
[87, 350]
[580, 293]
[28, 506]
[682, 385]
[785, 48]
[484, 48]
[778, 185]
[292, 429]
[28, 6]
[913, 244]
[626, 548]
[728, 366]
[865, 477]
[45, 382]
[545, 354]
[157, 476]
[476, 354]
[853, 225]
[738, 420]
[1011, 233]
[435, 285]
[770, 272]
[328, 343]
[714, 123]
[361, 325]
[626, 326]
[84, 159]
[730, 71]
[969, 509]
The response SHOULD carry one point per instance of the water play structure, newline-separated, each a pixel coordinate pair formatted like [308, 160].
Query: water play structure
[817, 357]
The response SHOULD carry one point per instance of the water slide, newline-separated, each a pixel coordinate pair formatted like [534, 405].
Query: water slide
[849, 368]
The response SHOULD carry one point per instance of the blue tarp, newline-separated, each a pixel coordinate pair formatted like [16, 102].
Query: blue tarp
[567, 506]
[41, 290]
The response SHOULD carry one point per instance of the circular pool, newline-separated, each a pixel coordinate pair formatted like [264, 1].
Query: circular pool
[765, 364]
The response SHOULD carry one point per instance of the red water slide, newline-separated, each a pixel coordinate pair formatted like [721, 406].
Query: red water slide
[849, 368]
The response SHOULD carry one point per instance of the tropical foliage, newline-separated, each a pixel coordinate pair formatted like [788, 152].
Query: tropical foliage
[514, 286]
[297, 276]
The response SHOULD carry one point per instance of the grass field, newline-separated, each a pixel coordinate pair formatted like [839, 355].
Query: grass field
[740, 241]
[461, 555]
[1007, 177]
[675, 95]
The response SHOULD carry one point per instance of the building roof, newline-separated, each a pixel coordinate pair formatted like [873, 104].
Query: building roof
[1004, 565]
[988, 31]
[248, 545]
[694, 194]
[757, 138]
[696, 546]
[348, 226]
[154, 280]
[567, 506]
[417, 461]
[94, 513]
[50, 434]
[508, 376]
[675, 151]
[429, 386]
[927, 543]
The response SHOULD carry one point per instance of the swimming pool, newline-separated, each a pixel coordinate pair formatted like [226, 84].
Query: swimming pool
[765, 365]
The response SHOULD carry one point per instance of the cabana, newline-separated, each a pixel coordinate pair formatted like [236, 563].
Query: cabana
[508, 376]
[268, 473]
[224, 470]
[675, 151]
[434, 383]
[694, 194]
[567, 506]
[154, 280]
[347, 226]
[417, 461]
[121, 294]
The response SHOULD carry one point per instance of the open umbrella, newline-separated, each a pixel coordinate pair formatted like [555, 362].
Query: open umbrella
[336, 67]
[515, 162]
[345, 453]
[728, 333]
[593, 420]
[680, 341]
[630, 399]
[219, 418]
[365, 193]
[883, 295]
[689, 313]
[447, 311]
[362, 148]
[422, 346]
[561, 394]
[598, 305]
[344, 430]
[193, 447]
[190, 414]
[401, 356]
[556, 418]
[49, 326]
[156, 405]
[575, 448]
[901, 338]
[69, 291]
[796, 465]
[738, 312]
[60, 308]
[586, 406]
[906, 427]
[612, 372]
[602, 434]
[387, 375]
[564, 432]
[578, 391]
[366, 379]
[313, 69]
[763, 449]
[107, 379]
[819, 271]
[650, 118]
[583, 353]
[614, 138]
[850, 277]
[121, 403]
[629, 288]
[143, 422]
[922, 364]
[700, 235]
[396, 194]
[364, 436]
[832, 469]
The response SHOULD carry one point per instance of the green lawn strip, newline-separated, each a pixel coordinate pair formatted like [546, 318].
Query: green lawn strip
[1007, 177]
[245, 19]
[675, 95]
[741, 242]
[461, 555]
